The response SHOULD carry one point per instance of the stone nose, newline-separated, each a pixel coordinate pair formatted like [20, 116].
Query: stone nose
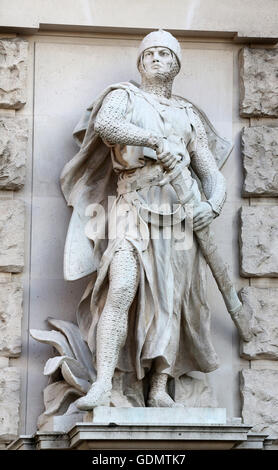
[155, 57]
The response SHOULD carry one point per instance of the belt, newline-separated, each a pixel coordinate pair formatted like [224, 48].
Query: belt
[150, 215]
[125, 186]
[146, 180]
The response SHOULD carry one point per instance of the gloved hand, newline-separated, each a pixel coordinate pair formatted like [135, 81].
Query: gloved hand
[203, 215]
[167, 159]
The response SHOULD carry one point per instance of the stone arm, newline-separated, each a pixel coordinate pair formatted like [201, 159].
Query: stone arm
[112, 126]
[204, 165]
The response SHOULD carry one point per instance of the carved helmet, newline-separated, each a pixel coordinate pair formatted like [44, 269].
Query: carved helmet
[160, 38]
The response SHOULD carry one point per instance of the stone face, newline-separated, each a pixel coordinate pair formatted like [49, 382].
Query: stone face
[260, 161]
[259, 394]
[11, 236]
[13, 150]
[263, 303]
[258, 82]
[13, 73]
[11, 296]
[259, 241]
[9, 403]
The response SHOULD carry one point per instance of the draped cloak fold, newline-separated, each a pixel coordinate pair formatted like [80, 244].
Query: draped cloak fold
[174, 329]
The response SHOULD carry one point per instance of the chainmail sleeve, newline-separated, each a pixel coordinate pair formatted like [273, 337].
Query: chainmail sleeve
[204, 165]
[113, 127]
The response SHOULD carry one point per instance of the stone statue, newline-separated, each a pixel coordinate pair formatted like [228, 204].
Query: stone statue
[145, 311]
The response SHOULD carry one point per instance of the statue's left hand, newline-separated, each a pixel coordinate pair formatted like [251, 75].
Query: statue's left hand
[202, 216]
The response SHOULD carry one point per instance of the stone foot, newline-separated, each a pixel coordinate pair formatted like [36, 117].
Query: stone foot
[162, 400]
[98, 395]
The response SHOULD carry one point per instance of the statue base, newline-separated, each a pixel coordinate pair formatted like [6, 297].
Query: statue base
[143, 428]
[125, 416]
[108, 416]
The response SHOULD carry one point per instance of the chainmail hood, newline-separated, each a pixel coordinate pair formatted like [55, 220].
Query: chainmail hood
[160, 38]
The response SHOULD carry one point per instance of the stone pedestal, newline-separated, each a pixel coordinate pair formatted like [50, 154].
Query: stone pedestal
[90, 436]
[108, 416]
[133, 416]
[143, 429]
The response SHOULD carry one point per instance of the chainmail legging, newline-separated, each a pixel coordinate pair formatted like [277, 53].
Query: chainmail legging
[112, 326]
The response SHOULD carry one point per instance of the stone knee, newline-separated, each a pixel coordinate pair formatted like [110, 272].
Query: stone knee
[123, 279]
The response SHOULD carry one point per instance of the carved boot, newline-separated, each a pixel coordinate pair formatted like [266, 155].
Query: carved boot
[98, 395]
[158, 397]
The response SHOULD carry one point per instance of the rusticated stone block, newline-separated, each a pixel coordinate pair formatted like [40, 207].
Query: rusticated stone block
[263, 303]
[13, 73]
[258, 82]
[11, 236]
[4, 362]
[9, 403]
[259, 400]
[259, 241]
[11, 296]
[260, 161]
[13, 150]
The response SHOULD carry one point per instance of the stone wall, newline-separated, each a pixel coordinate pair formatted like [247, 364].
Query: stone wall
[246, 19]
[258, 216]
[13, 154]
[258, 235]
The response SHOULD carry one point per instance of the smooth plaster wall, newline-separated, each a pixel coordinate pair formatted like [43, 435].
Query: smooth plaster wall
[239, 16]
[65, 75]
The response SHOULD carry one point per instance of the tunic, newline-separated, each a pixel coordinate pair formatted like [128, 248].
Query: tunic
[170, 319]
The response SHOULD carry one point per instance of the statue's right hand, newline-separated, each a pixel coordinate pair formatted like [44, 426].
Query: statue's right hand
[160, 148]
[157, 143]
[168, 160]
